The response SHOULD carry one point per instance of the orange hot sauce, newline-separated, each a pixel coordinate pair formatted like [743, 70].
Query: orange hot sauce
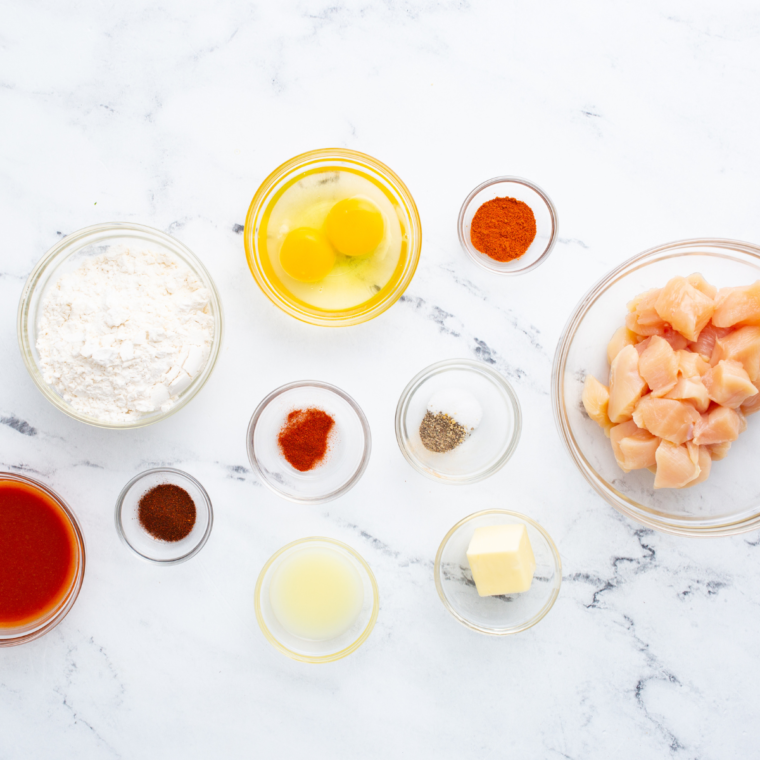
[38, 554]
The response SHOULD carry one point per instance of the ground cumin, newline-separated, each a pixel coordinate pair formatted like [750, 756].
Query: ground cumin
[167, 512]
[503, 228]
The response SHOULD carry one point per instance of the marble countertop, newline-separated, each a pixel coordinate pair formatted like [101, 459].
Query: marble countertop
[640, 122]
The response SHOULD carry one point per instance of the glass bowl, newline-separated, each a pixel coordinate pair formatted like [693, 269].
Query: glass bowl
[139, 540]
[293, 171]
[65, 256]
[306, 650]
[728, 502]
[487, 449]
[20, 635]
[496, 615]
[346, 459]
[543, 210]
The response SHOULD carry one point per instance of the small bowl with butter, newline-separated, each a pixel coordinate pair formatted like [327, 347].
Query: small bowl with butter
[498, 572]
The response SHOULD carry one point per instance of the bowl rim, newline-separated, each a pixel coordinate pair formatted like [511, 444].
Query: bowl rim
[367, 436]
[257, 207]
[363, 636]
[483, 260]
[469, 365]
[682, 526]
[540, 615]
[68, 601]
[68, 246]
[180, 474]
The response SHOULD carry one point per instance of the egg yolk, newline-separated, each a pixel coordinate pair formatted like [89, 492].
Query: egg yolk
[306, 255]
[355, 226]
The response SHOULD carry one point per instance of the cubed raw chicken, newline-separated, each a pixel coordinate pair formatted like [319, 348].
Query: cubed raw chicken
[626, 385]
[623, 337]
[704, 462]
[743, 346]
[675, 466]
[697, 349]
[643, 318]
[728, 384]
[719, 425]
[690, 389]
[666, 418]
[596, 398]
[751, 405]
[634, 449]
[737, 306]
[684, 307]
[718, 450]
[705, 343]
[701, 284]
[658, 365]
[691, 364]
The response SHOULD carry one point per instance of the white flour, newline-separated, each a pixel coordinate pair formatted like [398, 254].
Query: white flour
[123, 334]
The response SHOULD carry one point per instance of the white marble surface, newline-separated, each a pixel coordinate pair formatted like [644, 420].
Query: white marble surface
[639, 120]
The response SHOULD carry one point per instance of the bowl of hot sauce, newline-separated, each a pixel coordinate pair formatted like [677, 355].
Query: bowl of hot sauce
[42, 559]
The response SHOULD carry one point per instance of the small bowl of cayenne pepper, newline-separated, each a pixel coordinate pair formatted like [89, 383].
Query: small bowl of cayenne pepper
[508, 225]
[164, 516]
[309, 442]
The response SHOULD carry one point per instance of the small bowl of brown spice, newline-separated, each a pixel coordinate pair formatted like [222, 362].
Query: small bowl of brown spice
[164, 516]
[508, 225]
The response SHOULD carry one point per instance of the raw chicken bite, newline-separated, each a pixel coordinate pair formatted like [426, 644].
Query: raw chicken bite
[626, 385]
[691, 364]
[728, 384]
[718, 450]
[737, 306]
[675, 466]
[705, 343]
[743, 346]
[751, 405]
[658, 365]
[643, 318]
[704, 461]
[596, 398]
[719, 425]
[634, 449]
[690, 389]
[666, 418]
[701, 284]
[684, 307]
[623, 337]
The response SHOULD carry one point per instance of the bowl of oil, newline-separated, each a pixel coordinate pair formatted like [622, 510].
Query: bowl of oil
[316, 600]
[333, 237]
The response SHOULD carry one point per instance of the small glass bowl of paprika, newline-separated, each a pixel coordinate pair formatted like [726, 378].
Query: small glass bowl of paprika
[167, 505]
[309, 442]
[516, 242]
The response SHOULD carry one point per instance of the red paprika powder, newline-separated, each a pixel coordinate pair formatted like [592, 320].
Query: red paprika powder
[304, 438]
[503, 228]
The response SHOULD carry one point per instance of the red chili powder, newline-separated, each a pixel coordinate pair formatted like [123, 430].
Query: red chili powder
[304, 438]
[503, 228]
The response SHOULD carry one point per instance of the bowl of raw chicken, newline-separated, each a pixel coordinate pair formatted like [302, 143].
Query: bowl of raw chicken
[656, 379]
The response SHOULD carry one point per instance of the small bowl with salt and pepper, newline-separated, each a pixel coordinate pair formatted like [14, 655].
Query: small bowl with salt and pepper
[164, 516]
[507, 225]
[458, 421]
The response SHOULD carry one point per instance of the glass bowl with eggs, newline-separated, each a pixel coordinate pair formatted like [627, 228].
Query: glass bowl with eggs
[333, 237]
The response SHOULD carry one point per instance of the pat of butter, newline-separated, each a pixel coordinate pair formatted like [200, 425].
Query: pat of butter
[501, 559]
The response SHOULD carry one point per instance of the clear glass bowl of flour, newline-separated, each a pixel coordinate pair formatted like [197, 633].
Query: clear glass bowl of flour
[66, 256]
